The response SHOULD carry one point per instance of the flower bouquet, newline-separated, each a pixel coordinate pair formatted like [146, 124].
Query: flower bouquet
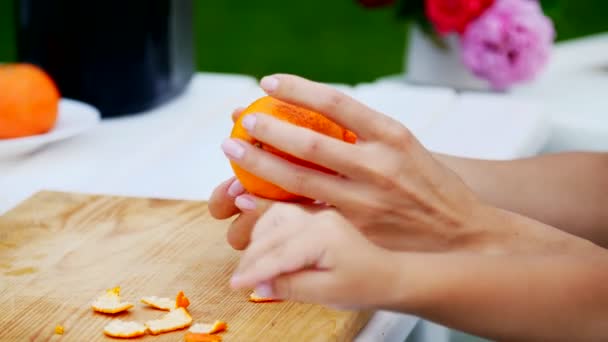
[475, 43]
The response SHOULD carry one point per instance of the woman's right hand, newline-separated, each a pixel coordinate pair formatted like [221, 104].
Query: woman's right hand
[387, 184]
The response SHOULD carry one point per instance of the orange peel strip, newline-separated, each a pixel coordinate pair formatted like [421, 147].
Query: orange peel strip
[197, 337]
[181, 301]
[110, 302]
[174, 320]
[202, 328]
[255, 298]
[59, 330]
[160, 303]
[121, 329]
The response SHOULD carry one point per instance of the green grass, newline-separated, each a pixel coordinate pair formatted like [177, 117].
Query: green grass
[574, 19]
[326, 40]
[7, 36]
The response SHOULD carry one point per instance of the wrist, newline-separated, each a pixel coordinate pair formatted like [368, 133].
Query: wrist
[406, 287]
[495, 231]
[478, 230]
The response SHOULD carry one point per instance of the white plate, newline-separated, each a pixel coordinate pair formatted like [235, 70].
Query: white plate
[74, 118]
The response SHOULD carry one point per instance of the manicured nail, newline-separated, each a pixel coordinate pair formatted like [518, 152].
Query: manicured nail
[249, 122]
[269, 83]
[235, 189]
[237, 112]
[264, 290]
[233, 149]
[245, 202]
[234, 281]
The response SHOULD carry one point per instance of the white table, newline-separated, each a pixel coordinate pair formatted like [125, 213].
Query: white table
[173, 151]
[574, 92]
[571, 93]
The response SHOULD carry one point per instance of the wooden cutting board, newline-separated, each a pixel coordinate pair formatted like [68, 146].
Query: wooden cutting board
[59, 251]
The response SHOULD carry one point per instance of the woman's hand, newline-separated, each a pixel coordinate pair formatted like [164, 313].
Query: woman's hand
[314, 255]
[388, 184]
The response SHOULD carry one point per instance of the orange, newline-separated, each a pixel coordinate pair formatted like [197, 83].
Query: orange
[196, 337]
[181, 300]
[295, 115]
[29, 101]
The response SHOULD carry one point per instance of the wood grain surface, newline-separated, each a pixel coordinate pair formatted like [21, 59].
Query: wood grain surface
[59, 251]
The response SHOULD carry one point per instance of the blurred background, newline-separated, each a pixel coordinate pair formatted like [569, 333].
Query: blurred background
[333, 41]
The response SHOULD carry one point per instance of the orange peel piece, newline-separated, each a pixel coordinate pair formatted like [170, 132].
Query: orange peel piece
[122, 329]
[173, 320]
[255, 298]
[160, 303]
[59, 330]
[203, 328]
[198, 337]
[181, 301]
[110, 302]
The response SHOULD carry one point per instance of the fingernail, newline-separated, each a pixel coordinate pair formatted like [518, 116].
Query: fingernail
[233, 149]
[234, 281]
[269, 83]
[264, 290]
[245, 202]
[237, 112]
[235, 189]
[249, 122]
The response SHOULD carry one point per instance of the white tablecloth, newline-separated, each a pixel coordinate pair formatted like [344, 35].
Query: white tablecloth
[173, 151]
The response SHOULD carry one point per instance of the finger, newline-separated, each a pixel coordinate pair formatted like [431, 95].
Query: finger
[299, 252]
[221, 203]
[305, 144]
[293, 178]
[267, 244]
[272, 228]
[338, 107]
[307, 286]
[239, 232]
[236, 113]
[252, 204]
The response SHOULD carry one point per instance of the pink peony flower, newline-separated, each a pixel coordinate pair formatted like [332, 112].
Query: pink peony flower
[511, 42]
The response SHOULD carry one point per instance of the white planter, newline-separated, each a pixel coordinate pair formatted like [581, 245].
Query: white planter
[428, 64]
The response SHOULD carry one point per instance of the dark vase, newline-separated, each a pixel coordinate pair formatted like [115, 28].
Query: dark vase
[121, 56]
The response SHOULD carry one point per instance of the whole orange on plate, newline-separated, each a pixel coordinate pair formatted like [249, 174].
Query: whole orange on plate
[29, 101]
[295, 115]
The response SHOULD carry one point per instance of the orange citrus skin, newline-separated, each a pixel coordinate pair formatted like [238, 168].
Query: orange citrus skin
[29, 101]
[194, 337]
[294, 115]
[181, 300]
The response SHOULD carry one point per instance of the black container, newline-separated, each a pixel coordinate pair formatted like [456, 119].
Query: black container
[121, 56]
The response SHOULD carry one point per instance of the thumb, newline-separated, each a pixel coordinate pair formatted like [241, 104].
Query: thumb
[252, 208]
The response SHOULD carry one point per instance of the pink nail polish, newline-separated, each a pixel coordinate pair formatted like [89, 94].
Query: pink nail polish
[233, 149]
[234, 281]
[269, 83]
[249, 122]
[236, 189]
[245, 202]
